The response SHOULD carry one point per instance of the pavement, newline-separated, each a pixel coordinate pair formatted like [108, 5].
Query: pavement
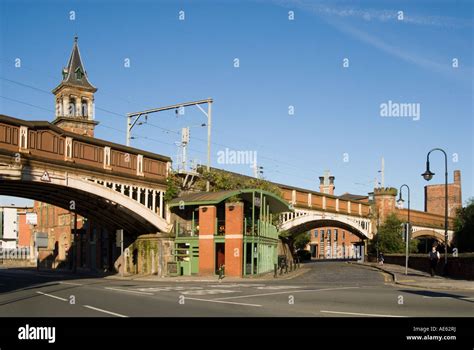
[421, 279]
[324, 289]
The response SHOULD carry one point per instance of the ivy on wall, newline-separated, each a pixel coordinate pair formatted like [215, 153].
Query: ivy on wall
[218, 181]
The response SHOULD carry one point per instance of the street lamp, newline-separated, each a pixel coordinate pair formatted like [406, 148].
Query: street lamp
[408, 228]
[428, 175]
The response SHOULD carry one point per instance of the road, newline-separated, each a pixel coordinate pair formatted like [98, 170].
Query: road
[327, 289]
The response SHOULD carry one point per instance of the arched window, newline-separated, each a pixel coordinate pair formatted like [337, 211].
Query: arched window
[79, 73]
[59, 107]
[72, 107]
[84, 108]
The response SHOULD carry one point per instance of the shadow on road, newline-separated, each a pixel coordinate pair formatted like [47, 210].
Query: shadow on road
[16, 279]
[431, 294]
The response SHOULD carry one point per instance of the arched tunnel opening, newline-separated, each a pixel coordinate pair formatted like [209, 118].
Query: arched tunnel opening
[329, 240]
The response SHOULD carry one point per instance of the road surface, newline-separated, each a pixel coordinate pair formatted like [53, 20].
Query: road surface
[327, 289]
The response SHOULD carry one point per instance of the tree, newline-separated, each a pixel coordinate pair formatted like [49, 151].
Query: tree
[464, 228]
[173, 186]
[389, 237]
[301, 240]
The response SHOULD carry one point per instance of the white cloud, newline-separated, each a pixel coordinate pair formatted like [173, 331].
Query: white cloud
[321, 8]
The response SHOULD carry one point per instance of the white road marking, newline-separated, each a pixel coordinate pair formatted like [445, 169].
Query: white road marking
[127, 291]
[358, 314]
[235, 285]
[70, 283]
[279, 287]
[286, 292]
[207, 292]
[166, 289]
[51, 296]
[223, 302]
[104, 311]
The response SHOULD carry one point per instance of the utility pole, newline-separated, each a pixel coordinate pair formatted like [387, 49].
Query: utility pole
[184, 145]
[133, 119]
[257, 170]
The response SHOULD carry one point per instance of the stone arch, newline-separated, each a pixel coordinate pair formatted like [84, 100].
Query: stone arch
[91, 200]
[427, 233]
[307, 222]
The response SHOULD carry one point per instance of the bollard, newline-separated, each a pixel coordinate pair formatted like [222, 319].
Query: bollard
[275, 270]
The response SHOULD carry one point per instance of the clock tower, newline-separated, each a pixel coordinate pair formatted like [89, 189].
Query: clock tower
[74, 97]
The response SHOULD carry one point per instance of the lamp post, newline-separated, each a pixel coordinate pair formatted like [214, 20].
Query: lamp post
[428, 175]
[408, 228]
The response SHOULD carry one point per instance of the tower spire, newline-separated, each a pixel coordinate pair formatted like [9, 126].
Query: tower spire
[75, 96]
[74, 74]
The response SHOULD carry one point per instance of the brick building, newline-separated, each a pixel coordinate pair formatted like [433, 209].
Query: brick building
[435, 196]
[15, 232]
[231, 228]
[334, 242]
[94, 245]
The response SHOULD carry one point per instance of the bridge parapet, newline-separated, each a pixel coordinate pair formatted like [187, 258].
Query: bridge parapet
[44, 141]
[424, 219]
[302, 199]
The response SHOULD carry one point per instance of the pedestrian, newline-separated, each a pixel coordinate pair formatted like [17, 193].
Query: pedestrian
[434, 258]
[381, 258]
[221, 272]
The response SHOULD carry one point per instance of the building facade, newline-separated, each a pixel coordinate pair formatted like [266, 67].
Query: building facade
[333, 243]
[94, 245]
[230, 230]
[15, 232]
[435, 196]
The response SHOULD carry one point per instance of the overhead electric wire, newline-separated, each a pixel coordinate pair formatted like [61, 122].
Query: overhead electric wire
[277, 161]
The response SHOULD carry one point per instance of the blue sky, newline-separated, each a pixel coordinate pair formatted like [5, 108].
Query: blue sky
[282, 63]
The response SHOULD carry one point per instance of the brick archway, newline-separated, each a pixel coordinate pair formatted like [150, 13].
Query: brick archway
[427, 233]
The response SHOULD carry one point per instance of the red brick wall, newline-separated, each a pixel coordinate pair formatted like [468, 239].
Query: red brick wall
[435, 197]
[385, 204]
[343, 237]
[24, 231]
[207, 222]
[234, 220]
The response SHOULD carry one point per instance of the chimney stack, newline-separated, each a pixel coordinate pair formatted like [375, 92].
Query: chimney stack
[326, 183]
[457, 177]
